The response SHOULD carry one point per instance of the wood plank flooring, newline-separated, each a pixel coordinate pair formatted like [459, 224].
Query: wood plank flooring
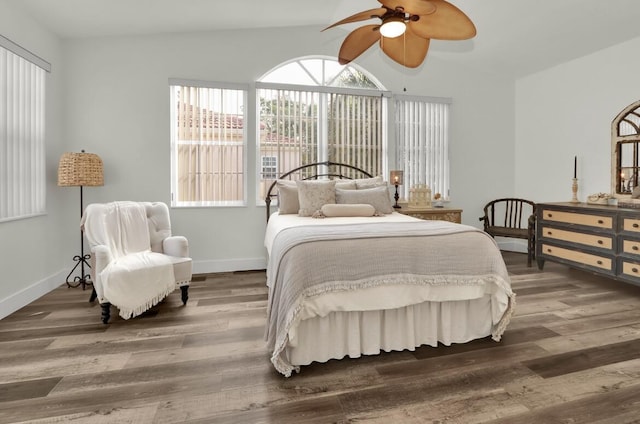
[570, 355]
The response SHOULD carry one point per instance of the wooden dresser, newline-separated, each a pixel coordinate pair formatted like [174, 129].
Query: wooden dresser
[601, 239]
[442, 214]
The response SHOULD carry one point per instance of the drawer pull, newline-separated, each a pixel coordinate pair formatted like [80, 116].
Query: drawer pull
[600, 221]
[635, 225]
[548, 250]
[549, 215]
[634, 247]
[634, 270]
[600, 242]
[599, 262]
[549, 233]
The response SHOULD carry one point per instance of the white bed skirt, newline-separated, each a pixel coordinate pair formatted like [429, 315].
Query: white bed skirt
[354, 334]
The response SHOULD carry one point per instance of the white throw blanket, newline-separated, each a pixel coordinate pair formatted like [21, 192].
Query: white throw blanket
[136, 278]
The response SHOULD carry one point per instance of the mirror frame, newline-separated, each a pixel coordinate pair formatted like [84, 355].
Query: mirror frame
[625, 128]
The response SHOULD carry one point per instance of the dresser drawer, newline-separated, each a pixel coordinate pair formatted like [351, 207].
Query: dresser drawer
[630, 224]
[631, 247]
[597, 221]
[597, 261]
[631, 269]
[604, 242]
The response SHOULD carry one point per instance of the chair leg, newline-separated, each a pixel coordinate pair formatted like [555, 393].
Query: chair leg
[106, 312]
[531, 251]
[185, 294]
[94, 295]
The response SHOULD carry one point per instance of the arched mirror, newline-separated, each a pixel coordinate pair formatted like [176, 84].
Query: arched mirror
[625, 151]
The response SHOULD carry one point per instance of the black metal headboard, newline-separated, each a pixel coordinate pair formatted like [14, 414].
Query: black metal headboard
[335, 169]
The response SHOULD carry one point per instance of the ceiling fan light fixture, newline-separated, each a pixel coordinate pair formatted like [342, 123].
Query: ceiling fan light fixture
[393, 27]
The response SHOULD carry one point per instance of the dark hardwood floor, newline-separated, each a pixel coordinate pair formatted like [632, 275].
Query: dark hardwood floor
[570, 355]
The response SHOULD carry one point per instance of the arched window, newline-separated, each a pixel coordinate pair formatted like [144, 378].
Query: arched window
[314, 109]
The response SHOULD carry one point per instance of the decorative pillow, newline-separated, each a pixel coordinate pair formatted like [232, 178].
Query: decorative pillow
[378, 197]
[364, 183]
[346, 184]
[344, 209]
[313, 194]
[287, 197]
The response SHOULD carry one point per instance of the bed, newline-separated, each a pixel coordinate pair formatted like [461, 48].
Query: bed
[365, 283]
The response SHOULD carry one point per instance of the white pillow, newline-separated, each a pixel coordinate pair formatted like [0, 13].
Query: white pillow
[287, 197]
[363, 183]
[378, 197]
[330, 210]
[312, 194]
[346, 184]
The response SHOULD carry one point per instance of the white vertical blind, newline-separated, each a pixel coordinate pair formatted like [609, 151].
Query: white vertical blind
[355, 131]
[22, 129]
[208, 139]
[288, 130]
[422, 143]
[300, 127]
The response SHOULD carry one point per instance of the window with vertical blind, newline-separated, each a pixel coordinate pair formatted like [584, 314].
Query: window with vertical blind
[307, 110]
[22, 132]
[422, 142]
[208, 144]
[336, 113]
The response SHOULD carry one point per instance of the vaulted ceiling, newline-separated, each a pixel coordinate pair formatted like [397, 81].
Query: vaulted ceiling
[515, 37]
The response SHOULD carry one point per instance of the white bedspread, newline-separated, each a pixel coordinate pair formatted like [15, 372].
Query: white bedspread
[311, 274]
[135, 278]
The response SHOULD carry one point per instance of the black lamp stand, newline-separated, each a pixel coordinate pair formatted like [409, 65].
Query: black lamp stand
[396, 196]
[81, 260]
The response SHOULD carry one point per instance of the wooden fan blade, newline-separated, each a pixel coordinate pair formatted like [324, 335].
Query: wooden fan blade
[447, 23]
[408, 50]
[357, 42]
[362, 16]
[413, 7]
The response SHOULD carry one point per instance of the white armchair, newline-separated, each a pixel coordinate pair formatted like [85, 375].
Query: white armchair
[136, 260]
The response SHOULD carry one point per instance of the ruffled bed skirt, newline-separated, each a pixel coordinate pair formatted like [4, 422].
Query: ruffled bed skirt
[354, 334]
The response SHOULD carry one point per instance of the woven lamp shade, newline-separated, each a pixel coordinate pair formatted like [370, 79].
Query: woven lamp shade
[80, 169]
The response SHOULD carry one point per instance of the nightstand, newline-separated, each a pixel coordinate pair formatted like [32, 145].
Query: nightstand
[442, 214]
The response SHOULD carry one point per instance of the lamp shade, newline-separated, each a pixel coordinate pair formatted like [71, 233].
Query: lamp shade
[396, 177]
[80, 169]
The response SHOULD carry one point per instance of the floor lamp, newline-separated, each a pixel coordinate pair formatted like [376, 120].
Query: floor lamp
[78, 170]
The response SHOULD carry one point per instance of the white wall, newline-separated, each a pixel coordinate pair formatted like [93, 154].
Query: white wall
[35, 252]
[117, 105]
[567, 111]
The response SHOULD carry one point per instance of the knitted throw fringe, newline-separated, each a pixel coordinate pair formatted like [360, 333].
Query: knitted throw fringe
[496, 335]
[127, 313]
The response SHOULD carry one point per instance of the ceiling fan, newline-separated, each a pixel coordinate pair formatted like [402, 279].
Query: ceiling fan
[405, 30]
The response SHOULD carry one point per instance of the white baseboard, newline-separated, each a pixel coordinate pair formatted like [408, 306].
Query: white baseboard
[27, 295]
[38, 289]
[229, 265]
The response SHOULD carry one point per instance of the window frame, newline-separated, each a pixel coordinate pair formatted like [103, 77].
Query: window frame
[391, 134]
[438, 139]
[175, 143]
[22, 143]
[328, 83]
